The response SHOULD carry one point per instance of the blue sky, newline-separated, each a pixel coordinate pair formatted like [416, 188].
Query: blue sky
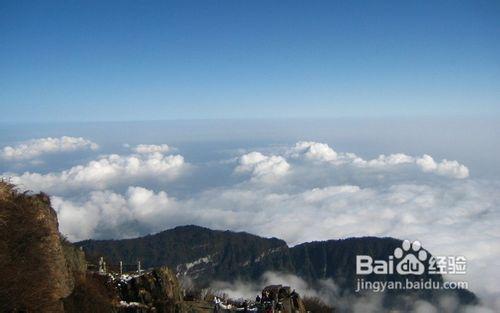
[143, 60]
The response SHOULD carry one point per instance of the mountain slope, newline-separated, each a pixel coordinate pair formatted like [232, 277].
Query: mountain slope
[206, 255]
[197, 252]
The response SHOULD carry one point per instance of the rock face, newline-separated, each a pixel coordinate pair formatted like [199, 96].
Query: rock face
[42, 272]
[75, 257]
[158, 289]
[93, 293]
[34, 274]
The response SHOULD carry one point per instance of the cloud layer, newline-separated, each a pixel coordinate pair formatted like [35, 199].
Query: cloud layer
[327, 291]
[36, 147]
[321, 152]
[105, 172]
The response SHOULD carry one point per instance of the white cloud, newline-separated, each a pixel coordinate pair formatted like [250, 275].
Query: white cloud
[143, 149]
[262, 167]
[384, 160]
[321, 152]
[107, 213]
[445, 167]
[37, 147]
[314, 151]
[105, 172]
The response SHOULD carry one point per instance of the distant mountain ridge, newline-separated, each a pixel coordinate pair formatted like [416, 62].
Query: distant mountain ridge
[201, 253]
[207, 255]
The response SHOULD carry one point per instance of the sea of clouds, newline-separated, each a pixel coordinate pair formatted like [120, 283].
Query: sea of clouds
[299, 192]
[331, 294]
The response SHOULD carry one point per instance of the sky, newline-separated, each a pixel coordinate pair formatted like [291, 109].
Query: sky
[153, 60]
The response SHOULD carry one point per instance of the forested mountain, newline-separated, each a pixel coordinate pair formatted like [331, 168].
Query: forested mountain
[207, 255]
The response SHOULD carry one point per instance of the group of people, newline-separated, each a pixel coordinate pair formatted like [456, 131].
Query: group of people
[267, 302]
[220, 306]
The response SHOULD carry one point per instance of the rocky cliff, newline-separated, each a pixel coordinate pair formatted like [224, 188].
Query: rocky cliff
[34, 274]
[157, 291]
[153, 291]
[42, 272]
